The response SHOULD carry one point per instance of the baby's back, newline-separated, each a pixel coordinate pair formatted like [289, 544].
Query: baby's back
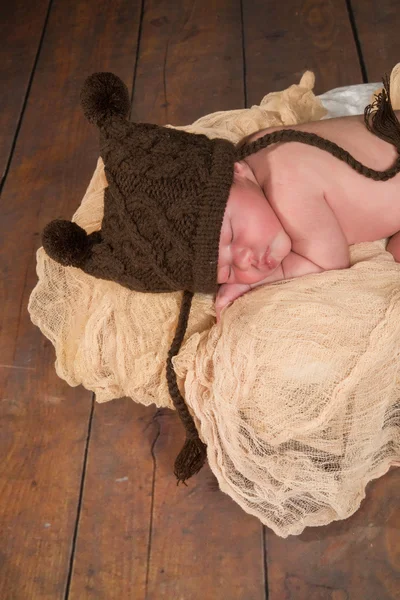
[366, 210]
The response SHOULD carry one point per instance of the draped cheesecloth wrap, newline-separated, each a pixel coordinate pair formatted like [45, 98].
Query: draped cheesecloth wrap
[296, 392]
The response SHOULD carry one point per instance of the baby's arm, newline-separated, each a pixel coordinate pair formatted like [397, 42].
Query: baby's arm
[318, 243]
[293, 265]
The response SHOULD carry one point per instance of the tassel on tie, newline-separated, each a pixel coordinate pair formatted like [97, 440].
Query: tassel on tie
[380, 118]
[190, 459]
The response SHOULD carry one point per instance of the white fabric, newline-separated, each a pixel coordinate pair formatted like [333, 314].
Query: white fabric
[348, 100]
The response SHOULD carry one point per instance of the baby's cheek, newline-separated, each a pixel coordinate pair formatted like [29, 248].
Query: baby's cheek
[281, 246]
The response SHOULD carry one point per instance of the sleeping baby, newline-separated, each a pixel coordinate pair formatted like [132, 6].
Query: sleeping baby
[294, 209]
[286, 209]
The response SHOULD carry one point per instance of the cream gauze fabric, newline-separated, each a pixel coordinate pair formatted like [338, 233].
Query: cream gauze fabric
[296, 392]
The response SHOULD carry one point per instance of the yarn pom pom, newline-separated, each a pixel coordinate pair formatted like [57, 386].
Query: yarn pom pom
[65, 242]
[103, 96]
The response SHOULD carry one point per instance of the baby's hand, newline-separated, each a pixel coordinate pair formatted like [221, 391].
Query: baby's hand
[227, 293]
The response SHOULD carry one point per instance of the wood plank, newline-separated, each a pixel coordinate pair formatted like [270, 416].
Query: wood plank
[113, 537]
[377, 25]
[21, 27]
[190, 64]
[282, 40]
[190, 61]
[355, 558]
[203, 545]
[45, 422]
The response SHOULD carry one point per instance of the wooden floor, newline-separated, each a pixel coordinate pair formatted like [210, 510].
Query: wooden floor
[89, 505]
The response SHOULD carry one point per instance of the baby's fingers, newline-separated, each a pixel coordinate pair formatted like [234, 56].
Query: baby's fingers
[219, 306]
[227, 293]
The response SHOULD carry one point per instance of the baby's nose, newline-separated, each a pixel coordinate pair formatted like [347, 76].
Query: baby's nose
[242, 258]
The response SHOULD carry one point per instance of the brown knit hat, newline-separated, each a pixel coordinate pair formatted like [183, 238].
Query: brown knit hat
[163, 207]
[163, 211]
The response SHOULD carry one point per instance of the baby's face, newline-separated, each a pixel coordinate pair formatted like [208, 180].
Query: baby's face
[253, 242]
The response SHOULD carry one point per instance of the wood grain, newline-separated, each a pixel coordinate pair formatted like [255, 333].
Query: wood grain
[21, 27]
[114, 526]
[203, 546]
[377, 25]
[190, 61]
[282, 40]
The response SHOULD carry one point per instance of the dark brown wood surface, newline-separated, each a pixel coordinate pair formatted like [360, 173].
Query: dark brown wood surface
[376, 23]
[44, 421]
[115, 519]
[289, 38]
[89, 505]
[22, 25]
[190, 61]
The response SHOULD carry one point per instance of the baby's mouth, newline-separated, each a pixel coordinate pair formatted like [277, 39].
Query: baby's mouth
[272, 263]
[264, 259]
[267, 261]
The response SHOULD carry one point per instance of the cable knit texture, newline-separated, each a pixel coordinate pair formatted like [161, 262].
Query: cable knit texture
[163, 207]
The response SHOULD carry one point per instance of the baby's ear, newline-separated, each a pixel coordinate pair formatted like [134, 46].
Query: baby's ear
[238, 168]
[241, 169]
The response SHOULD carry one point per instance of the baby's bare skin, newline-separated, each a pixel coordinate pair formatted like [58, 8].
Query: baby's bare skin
[321, 204]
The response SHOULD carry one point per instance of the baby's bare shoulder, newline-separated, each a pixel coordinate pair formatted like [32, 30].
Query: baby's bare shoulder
[294, 171]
